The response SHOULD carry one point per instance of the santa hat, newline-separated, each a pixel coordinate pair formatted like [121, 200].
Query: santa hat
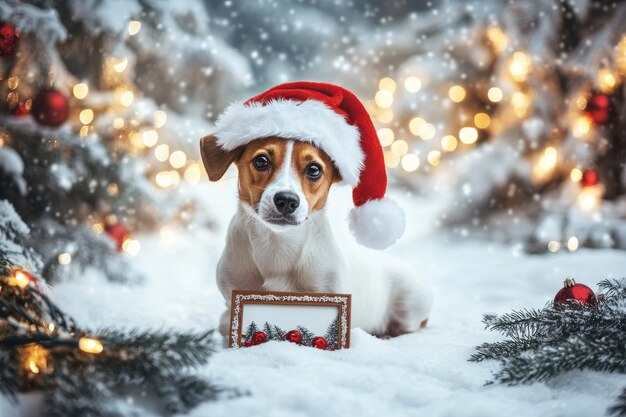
[334, 120]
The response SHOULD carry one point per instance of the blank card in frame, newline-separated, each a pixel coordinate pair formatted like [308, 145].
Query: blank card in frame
[319, 320]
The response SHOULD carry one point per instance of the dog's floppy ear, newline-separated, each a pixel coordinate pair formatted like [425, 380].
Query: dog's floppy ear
[216, 160]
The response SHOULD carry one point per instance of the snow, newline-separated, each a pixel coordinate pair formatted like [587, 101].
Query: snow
[425, 373]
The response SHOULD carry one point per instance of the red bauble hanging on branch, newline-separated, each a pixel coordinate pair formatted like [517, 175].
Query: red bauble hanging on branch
[575, 292]
[294, 336]
[50, 107]
[116, 231]
[9, 39]
[589, 178]
[598, 108]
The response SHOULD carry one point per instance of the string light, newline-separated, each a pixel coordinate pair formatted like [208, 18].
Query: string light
[150, 138]
[449, 143]
[384, 98]
[386, 136]
[126, 98]
[118, 123]
[572, 244]
[434, 158]
[387, 84]
[64, 258]
[482, 120]
[385, 116]
[119, 64]
[89, 345]
[498, 38]
[582, 126]
[162, 152]
[590, 198]
[554, 246]
[581, 103]
[84, 131]
[160, 118]
[415, 125]
[131, 246]
[391, 159]
[410, 162]
[521, 104]
[412, 84]
[113, 189]
[457, 93]
[576, 175]
[520, 66]
[606, 80]
[35, 358]
[400, 147]
[546, 163]
[468, 135]
[134, 26]
[80, 90]
[13, 82]
[178, 159]
[20, 278]
[86, 116]
[427, 131]
[193, 173]
[166, 179]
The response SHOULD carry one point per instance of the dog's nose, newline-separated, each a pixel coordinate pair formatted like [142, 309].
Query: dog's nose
[286, 202]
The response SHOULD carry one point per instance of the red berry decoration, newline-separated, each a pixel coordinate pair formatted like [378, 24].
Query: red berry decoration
[248, 343]
[598, 108]
[50, 107]
[589, 179]
[575, 292]
[294, 336]
[118, 232]
[9, 39]
[259, 337]
[320, 343]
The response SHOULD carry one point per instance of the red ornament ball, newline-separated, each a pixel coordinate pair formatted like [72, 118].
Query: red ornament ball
[50, 107]
[248, 343]
[575, 292]
[598, 108]
[20, 110]
[589, 179]
[294, 336]
[9, 39]
[320, 343]
[259, 337]
[117, 232]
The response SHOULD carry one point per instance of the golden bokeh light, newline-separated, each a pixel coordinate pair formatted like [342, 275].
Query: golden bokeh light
[400, 147]
[482, 120]
[449, 143]
[410, 162]
[457, 93]
[80, 90]
[412, 84]
[386, 136]
[468, 135]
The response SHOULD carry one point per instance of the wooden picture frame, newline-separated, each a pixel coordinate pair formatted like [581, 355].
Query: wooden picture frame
[287, 315]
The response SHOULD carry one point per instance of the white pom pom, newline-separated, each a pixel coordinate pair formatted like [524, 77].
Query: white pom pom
[377, 224]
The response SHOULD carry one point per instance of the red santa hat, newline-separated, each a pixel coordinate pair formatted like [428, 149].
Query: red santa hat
[334, 120]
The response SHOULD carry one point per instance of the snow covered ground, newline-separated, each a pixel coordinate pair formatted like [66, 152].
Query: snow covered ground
[425, 374]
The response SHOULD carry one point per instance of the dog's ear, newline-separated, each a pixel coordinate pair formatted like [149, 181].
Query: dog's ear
[216, 160]
[336, 175]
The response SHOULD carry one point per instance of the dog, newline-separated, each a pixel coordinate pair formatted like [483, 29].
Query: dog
[280, 238]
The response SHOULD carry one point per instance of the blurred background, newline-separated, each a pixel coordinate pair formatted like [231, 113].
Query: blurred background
[504, 120]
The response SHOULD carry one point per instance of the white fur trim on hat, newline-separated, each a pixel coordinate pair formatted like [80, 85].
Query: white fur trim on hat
[377, 224]
[310, 121]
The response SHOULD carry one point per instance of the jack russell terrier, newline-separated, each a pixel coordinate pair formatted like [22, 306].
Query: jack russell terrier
[290, 145]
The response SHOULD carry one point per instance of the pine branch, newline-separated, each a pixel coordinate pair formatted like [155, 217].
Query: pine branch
[619, 408]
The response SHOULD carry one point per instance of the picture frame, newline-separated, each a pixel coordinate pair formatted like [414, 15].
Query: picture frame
[320, 320]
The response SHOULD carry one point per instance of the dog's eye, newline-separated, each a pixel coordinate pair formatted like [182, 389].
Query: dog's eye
[314, 171]
[261, 162]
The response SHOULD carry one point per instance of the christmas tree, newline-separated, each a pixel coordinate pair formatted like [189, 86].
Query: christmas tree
[511, 115]
[94, 142]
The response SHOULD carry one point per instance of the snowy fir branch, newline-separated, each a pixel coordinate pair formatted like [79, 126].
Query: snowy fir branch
[80, 372]
[542, 344]
[619, 408]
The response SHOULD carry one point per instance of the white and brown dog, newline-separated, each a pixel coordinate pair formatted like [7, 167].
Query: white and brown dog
[284, 143]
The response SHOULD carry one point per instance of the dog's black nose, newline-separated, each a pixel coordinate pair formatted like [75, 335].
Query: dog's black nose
[286, 202]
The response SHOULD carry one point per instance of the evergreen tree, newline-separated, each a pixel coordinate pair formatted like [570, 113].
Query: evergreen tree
[332, 334]
[250, 331]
